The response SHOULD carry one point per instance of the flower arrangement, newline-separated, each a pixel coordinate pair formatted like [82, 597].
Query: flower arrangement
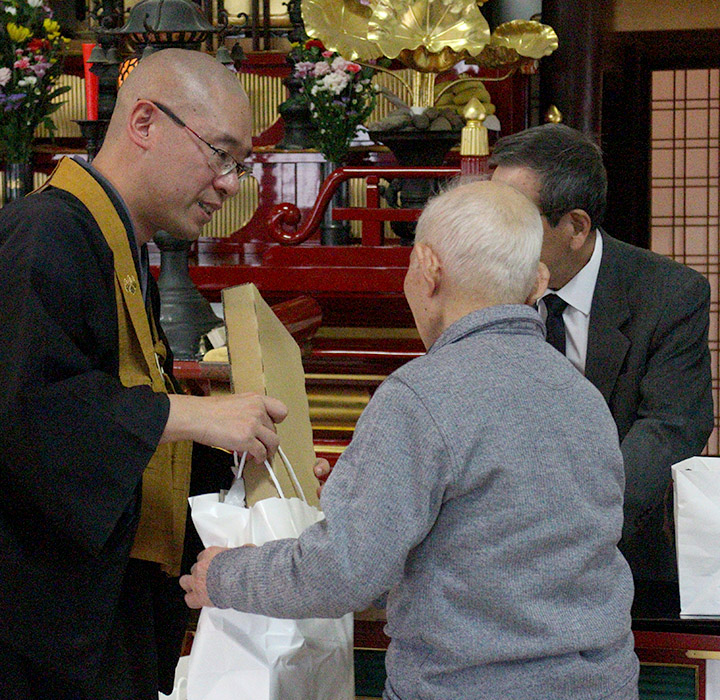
[31, 49]
[339, 93]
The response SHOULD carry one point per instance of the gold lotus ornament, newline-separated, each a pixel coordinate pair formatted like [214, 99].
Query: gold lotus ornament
[342, 25]
[527, 38]
[429, 36]
[435, 25]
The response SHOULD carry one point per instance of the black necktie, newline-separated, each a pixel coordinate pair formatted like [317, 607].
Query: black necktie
[554, 322]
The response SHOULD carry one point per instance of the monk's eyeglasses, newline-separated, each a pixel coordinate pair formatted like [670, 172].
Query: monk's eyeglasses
[220, 162]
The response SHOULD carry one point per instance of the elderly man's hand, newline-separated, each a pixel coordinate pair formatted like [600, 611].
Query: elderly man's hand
[322, 470]
[195, 584]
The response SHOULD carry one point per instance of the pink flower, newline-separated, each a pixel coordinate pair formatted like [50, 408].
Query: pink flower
[321, 68]
[352, 68]
[327, 54]
[304, 68]
[22, 64]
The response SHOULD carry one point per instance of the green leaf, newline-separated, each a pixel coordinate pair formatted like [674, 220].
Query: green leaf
[59, 91]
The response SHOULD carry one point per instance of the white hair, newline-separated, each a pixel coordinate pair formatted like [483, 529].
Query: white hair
[487, 236]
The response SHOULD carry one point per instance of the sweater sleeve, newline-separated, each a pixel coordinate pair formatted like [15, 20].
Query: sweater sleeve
[380, 502]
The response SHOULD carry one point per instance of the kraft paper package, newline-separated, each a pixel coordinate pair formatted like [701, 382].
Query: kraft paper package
[696, 485]
[265, 358]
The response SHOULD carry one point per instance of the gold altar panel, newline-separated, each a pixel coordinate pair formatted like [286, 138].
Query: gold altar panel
[265, 93]
[73, 108]
[235, 213]
[38, 179]
[336, 408]
[278, 11]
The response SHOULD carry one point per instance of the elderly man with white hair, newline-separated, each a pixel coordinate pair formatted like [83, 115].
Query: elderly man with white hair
[482, 491]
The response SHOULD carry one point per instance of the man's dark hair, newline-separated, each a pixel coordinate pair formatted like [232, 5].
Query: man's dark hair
[569, 164]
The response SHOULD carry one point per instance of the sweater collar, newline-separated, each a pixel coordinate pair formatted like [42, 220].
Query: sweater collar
[517, 318]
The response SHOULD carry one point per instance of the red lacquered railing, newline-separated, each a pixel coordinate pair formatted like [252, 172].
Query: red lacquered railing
[284, 219]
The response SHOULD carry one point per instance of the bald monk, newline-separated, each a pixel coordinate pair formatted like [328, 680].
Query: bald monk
[94, 443]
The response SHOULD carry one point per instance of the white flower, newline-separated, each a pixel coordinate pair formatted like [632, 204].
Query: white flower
[35, 3]
[29, 80]
[10, 10]
[5, 76]
[335, 82]
[339, 64]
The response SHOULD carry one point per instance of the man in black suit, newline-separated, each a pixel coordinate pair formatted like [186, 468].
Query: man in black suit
[635, 323]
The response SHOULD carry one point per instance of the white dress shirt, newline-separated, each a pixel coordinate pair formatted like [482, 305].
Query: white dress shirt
[578, 293]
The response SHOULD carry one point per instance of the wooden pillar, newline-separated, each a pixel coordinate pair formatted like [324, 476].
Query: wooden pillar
[571, 78]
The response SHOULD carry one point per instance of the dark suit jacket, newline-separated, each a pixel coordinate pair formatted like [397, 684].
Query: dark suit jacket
[648, 355]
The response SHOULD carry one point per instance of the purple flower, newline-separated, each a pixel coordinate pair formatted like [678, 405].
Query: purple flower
[11, 102]
[40, 68]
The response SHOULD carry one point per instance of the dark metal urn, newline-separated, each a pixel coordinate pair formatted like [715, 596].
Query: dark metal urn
[185, 314]
[414, 149]
[17, 180]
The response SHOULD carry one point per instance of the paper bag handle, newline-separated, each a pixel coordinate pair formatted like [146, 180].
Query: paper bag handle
[271, 471]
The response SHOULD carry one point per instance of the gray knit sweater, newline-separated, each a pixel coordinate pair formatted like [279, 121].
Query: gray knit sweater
[483, 490]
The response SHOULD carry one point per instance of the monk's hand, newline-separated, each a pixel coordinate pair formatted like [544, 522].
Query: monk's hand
[239, 422]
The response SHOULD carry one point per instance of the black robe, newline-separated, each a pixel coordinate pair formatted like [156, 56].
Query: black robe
[73, 441]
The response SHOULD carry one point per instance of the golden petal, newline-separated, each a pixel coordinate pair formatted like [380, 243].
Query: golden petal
[342, 25]
[528, 38]
[496, 57]
[422, 60]
[397, 25]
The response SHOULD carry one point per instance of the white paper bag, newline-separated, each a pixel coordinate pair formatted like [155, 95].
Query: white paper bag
[240, 656]
[696, 483]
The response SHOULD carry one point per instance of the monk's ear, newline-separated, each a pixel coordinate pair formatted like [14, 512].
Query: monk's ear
[542, 278]
[140, 123]
[429, 266]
